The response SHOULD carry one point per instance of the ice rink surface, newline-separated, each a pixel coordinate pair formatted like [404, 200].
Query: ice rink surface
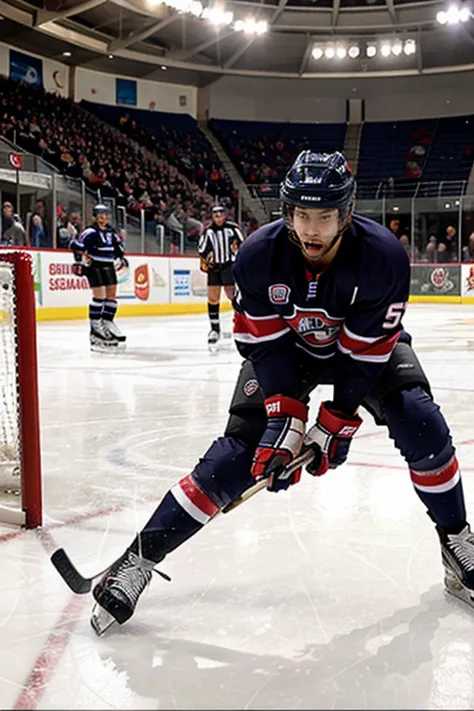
[326, 596]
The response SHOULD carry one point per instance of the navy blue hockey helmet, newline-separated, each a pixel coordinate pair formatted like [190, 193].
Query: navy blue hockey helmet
[100, 209]
[319, 180]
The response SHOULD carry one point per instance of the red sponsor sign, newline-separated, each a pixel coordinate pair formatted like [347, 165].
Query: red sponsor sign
[16, 160]
[142, 282]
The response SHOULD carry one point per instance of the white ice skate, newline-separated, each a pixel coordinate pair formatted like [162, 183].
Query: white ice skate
[100, 339]
[112, 328]
[458, 561]
[213, 340]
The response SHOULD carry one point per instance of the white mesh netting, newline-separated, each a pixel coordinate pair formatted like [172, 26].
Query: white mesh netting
[9, 413]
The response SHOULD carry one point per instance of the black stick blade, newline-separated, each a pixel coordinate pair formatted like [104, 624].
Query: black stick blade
[70, 574]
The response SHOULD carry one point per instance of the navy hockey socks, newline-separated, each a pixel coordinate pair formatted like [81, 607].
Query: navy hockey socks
[184, 510]
[213, 311]
[110, 309]
[95, 309]
[422, 436]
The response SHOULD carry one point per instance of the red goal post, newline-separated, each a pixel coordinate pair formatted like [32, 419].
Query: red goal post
[20, 459]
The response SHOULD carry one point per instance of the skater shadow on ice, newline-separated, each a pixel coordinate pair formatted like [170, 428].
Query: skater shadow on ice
[414, 658]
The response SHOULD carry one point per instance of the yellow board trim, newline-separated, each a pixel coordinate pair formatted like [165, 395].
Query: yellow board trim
[468, 299]
[434, 299]
[80, 312]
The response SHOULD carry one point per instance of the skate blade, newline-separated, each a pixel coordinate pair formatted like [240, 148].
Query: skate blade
[107, 347]
[101, 620]
[213, 348]
[455, 588]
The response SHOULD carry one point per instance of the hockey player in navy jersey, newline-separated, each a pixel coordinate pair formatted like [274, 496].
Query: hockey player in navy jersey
[321, 296]
[95, 252]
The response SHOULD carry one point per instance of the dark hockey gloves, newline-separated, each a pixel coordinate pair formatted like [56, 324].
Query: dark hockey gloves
[281, 441]
[331, 438]
[121, 263]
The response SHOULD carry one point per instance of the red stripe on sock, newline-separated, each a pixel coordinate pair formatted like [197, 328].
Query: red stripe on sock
[441, 477]
[197, 497]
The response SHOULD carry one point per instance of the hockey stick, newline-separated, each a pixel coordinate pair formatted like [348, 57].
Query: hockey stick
[81, 585]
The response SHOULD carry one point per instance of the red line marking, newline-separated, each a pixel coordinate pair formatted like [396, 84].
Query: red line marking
[50, 656]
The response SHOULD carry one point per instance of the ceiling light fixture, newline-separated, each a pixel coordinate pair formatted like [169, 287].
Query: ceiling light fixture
[329, 52]
[397, 49]
[453, 15]
[317, 53]
[354, 51]
[371, 50]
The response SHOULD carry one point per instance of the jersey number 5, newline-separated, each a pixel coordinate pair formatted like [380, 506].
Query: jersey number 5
[394, 314]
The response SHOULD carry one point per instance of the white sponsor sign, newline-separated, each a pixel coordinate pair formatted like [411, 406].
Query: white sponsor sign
[147, 280]
[188, 284]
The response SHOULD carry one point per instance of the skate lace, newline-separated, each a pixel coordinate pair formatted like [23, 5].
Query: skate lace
[462, 545]
[132, 576]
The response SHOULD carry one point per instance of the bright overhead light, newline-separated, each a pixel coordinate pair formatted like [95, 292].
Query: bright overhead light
[250, 27]
[111, 56]
[196, 8]
[395, 208]
[371, 50]
[163, 68]
[447, 205]
[217, 16]
[353, 51]
[67, 54]
[329, 52]
[317, 53]
[341, 52]
[397, 49]
[409, 47]
[453, 15]
[385, 50]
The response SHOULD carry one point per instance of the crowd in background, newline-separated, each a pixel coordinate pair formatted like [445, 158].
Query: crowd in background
[173, 176]
[440, 247]
[80, 145]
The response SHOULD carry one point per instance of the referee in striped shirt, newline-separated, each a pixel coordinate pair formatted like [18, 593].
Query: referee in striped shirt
[217, 248]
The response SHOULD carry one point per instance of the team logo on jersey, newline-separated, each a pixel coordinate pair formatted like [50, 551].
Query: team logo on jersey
[250, 387]
[279, 293]
[315, 326]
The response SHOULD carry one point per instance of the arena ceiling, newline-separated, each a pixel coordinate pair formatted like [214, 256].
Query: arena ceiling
[145, 39]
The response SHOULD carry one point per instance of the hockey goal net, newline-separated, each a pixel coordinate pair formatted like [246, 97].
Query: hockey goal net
[20, 467]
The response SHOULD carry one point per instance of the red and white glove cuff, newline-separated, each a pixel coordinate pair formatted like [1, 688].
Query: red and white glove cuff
[337, 423]
[283, 406]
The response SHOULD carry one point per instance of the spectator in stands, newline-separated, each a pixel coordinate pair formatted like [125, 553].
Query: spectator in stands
[13, 231]
[394, 226]
[430, 254]
[450, 242]
[37, 231]
[468, 250]
[442, 253]
[37, 227]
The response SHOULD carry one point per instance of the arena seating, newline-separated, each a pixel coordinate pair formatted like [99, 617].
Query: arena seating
[262, 151]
